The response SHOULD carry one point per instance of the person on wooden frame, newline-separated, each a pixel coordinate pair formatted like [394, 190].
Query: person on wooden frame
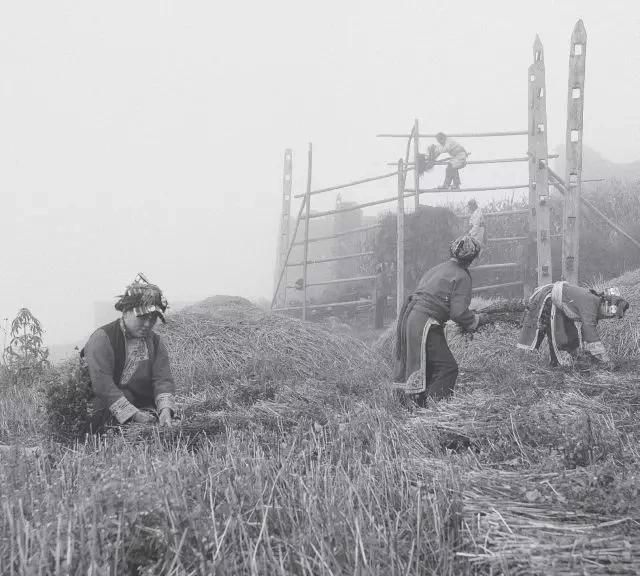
[455, 162]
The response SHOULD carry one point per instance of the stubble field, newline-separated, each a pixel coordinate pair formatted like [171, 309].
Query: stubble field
[289, 466]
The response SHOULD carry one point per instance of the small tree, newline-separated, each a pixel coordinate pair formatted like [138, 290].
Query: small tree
[25, 354]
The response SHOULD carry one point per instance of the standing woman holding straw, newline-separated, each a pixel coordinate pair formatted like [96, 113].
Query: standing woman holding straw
[423, 364]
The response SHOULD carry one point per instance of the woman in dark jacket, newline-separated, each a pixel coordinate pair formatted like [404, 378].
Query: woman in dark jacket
[128, 362]
[424, 365]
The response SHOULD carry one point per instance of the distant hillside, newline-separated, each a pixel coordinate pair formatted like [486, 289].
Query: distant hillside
[594, 165]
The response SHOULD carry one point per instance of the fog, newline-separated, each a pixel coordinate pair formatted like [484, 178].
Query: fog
[148, 135]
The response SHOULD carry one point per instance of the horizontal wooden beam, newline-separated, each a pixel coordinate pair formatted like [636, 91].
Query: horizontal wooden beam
[338, 281]
[502, 266]
[506, 213]
[517, 238]
[480, 189]
[508, 239]
[340, 234]
[366, 303]
[349, 184]
[395, 199]
[354, 207]
[490, 160]
[497, 286]
[460, 134]
[333, 258]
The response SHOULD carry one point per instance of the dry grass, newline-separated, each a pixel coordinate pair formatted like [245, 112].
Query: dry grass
[622, 337]
[232, 342]
[307, 467]
[552, 486]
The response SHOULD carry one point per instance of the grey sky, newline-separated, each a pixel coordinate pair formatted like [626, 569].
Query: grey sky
[148, 136]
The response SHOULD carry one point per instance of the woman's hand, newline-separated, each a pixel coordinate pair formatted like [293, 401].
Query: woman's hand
[166, 418]
[142, 417]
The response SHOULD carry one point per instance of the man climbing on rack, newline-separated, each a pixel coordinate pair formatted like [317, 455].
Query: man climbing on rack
[457, 159]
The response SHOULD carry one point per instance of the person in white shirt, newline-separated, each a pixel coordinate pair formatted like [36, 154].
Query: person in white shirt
[477, 228]
[457, 159]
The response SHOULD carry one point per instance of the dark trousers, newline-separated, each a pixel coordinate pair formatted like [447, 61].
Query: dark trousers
[451, 175]
[442, 368]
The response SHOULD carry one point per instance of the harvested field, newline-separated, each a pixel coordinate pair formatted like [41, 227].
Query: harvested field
[295, 458]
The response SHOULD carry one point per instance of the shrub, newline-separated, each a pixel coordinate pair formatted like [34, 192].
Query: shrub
[67, 400]
[25, 357]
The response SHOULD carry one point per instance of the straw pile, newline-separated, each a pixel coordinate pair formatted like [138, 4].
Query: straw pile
[239, 367]
[239, 342]
[219, 304]
[622, 337]
[525, 521]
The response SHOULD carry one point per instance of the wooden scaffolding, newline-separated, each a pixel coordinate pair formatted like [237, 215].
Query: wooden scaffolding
[534, 265]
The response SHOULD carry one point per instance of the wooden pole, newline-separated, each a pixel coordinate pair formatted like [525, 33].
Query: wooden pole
[379, 301]
[460, 135]
[488, 161]
[285, 224]
[400, 241]
[540, 153]
[292, 243]
[530, 274]
[416, 158]
[573, 170]
[305, 258]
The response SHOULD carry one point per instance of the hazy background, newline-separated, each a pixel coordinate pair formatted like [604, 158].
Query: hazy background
[148, 135]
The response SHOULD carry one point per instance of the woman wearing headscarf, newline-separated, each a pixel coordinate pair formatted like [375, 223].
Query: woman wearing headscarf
[424, 365]
[128, 362]
[568, 315]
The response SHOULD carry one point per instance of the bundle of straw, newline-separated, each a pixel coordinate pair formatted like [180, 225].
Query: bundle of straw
[509, 311]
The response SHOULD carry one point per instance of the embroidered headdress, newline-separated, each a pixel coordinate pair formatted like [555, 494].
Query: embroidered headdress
[465, 249]
[143, 298]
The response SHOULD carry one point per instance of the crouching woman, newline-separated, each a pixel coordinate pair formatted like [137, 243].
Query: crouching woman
[567, 316]
[424, 366]
[128, 363]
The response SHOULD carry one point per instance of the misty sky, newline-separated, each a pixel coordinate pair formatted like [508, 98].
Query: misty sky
[149, 135]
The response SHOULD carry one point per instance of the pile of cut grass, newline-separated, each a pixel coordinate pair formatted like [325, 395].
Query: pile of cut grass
[244, 343]
[622, 337]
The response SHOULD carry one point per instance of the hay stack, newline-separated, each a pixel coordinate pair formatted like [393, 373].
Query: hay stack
[219, 304]
[236, 342]
[622, 337]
